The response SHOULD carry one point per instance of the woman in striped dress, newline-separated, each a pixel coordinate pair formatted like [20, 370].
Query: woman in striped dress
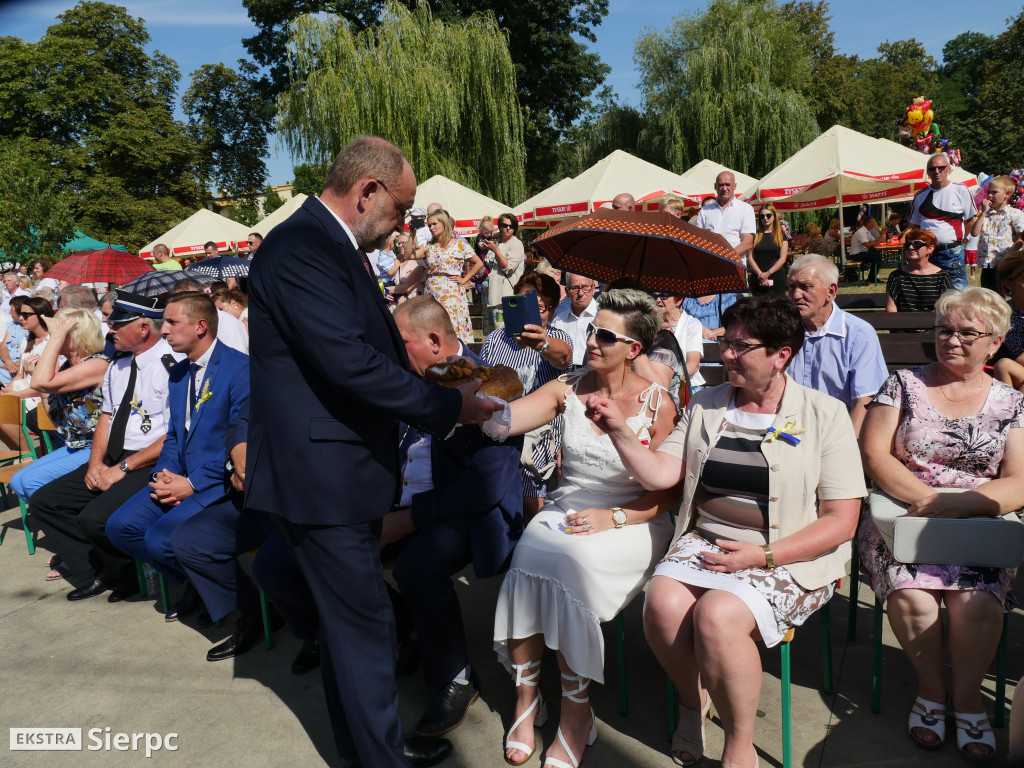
[538, 356]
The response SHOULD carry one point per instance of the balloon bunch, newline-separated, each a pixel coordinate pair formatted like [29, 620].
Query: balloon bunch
[919, 128]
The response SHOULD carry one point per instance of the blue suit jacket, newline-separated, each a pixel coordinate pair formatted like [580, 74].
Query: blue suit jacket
[478, 480]
[199, 453]
[330, 380]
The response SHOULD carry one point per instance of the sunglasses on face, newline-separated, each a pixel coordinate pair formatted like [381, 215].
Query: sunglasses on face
[916, 245]
[608, 336]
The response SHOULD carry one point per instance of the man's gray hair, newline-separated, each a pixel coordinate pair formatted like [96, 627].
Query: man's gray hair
[78, 297]
[362, 158]
[823, 267]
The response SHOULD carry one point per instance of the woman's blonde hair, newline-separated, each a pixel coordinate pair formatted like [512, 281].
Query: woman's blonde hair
[638, 310]
[86, 338]
[776, 226]
[672, 203]
[447, 224]
[981, 304]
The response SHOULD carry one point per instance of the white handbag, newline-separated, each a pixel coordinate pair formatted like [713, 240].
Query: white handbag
[976, 541]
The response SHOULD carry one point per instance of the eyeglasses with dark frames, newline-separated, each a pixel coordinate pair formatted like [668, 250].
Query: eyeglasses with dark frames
[406, 212]
[966, 337]
[739, 347]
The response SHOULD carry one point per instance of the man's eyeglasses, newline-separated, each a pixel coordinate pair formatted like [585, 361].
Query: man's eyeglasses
[916, 245]
[937, 168]
[739, 347]
[608, 336]
[405, 211]
[580, 288]
[967, 338]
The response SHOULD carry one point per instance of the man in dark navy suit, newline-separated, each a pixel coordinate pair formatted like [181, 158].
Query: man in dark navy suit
[461, 503]
[330, 382]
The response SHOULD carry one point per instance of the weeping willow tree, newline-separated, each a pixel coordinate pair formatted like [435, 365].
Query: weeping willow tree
[443, 92]
[728, 85]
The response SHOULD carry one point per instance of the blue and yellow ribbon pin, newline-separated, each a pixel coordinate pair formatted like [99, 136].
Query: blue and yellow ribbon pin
[788, 433]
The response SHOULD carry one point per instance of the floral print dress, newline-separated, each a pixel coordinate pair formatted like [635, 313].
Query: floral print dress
[444, 271]
[942, 453]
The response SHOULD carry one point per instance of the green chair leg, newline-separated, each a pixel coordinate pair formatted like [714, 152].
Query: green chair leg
[876, 678]
[620, 652]
[1001, 677]
[164, 596]
[24, 522]
[141, 576]
[671, 708]
[826, 649]
[787, 708]
[268, 636]
[851, 625]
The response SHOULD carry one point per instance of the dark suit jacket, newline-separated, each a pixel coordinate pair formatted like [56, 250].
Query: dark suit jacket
[478, 480]
[198, 453]
[330, 379]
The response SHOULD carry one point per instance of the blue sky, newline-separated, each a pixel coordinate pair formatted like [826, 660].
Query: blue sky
[197, 32]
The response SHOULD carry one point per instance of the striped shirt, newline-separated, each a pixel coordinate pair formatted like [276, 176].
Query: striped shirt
[917, 293]
[732, 501]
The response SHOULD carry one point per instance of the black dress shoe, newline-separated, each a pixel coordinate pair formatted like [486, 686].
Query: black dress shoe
[95, 587]
[123, 590]
[423, 752]
[190, 603]
[308, 657]
[247, 632]
[448, 709]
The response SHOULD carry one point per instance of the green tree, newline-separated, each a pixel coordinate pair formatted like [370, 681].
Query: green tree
[555, 71]
[230, 122]
[728, 85]
[344, 83]
[37, 215]
[310, 178]
[271, 201]
[103, 109]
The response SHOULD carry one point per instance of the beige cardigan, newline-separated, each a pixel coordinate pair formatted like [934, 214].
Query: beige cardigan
[825, 465]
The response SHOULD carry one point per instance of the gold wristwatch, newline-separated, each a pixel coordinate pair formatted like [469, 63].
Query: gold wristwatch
[618, 517]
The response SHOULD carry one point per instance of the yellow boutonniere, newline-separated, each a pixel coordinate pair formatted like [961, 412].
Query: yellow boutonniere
[787, 433]
[205, 395]
[137, 407]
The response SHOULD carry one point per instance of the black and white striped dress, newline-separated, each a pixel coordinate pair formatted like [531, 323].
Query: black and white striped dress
[500, 348]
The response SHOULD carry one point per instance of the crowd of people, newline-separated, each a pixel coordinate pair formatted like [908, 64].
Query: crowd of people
[734, 507]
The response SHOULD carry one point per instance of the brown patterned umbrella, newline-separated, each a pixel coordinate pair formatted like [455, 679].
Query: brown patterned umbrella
[665, 252]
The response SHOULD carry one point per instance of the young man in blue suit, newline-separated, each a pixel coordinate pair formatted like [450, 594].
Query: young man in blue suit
[330, 383]
[207, 391]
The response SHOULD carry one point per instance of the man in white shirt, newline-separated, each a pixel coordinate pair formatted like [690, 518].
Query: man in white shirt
[576, 313]
[731, 218]
[944, 208]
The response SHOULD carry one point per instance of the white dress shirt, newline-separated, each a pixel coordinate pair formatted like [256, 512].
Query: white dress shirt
[731, 222]
[150, 397]
[576, 326]
[232, 331]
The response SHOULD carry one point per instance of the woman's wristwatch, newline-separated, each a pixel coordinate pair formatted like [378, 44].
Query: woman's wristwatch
[769, 558]
[618, 517]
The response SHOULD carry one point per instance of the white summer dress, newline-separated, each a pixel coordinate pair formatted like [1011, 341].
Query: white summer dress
[561, 585]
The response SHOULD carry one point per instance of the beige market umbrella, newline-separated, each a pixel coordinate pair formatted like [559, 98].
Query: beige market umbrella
[271, 220]
[842, 167]
[618, 172]
[697, 183]
[204, 225]
[524, 211]
[465, 205]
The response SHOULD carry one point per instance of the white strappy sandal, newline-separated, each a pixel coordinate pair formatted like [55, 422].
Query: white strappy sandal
[974, 729]
[530, 679]
[574, 695]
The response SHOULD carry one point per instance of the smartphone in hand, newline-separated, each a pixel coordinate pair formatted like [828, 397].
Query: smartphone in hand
[520, 311]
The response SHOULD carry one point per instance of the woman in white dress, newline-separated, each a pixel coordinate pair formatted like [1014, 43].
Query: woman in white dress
[560, 587]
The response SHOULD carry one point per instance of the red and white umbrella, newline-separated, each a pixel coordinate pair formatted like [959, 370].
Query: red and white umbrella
[189, 237]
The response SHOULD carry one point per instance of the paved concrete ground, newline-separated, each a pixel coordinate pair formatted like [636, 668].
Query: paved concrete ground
[120, 666]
